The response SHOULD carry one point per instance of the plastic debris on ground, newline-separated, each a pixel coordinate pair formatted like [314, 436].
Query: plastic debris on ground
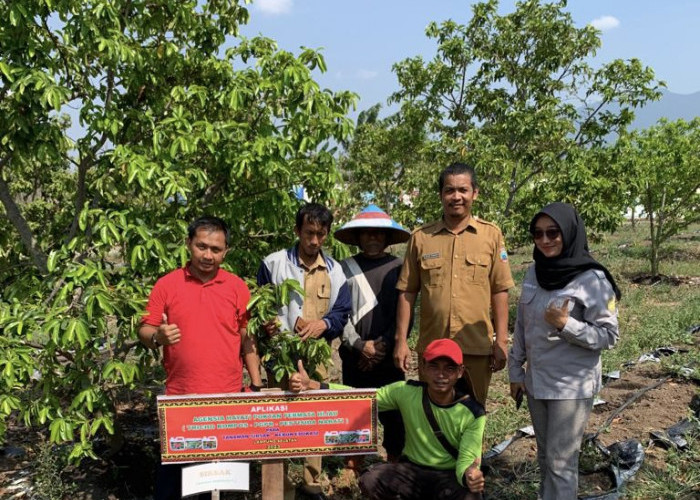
[674, 436]
[626, 457]
[656, 355]
[528, 431]
[13, 452]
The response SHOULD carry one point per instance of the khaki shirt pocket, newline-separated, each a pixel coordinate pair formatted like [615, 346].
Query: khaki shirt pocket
[477, 265]
[323, 301]
[432, 272]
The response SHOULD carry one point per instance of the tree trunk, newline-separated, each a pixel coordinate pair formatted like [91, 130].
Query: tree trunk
[25, 233]
[633, 219]
[273, 479]
[654, 251]
[654, 254]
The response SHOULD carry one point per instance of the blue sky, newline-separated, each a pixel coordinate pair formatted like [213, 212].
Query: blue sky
[361, 39]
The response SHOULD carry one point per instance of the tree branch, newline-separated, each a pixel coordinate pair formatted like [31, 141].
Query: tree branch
[86, 163]
[527, 178]
[512, 189]
[61, 54]
[55, 291]
[587, 120]
[19, 222]
[564, 72]
[463, 85]
[125, 348]
[62, 354]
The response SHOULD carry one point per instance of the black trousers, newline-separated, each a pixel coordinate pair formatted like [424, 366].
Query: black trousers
[383, 374]
[408, 481]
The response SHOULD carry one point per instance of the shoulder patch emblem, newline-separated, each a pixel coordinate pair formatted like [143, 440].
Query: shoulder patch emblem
[611, 305]
[504, 255]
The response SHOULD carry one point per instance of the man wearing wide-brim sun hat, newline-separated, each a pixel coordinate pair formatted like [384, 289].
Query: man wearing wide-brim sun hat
[368, 338]
[372, 217]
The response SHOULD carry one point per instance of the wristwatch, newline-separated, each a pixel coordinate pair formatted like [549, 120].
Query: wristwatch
[154, 341]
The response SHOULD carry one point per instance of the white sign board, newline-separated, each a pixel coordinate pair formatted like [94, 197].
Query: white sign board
[215, 476]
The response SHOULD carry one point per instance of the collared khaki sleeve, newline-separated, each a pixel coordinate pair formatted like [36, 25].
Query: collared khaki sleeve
[501, 278]
[409, 278]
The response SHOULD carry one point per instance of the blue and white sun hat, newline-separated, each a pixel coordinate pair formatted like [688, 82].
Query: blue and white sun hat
[372, 217]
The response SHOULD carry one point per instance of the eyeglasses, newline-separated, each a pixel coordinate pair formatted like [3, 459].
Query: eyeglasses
[552, 233]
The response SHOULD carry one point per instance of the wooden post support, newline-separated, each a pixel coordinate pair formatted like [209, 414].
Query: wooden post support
[273, 479]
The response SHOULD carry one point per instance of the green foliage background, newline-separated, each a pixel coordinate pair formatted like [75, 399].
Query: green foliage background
[173, 125]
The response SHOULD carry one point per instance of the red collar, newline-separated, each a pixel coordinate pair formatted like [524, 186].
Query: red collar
[219, 278]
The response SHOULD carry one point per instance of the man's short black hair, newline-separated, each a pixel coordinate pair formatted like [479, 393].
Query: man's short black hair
[208, 223]
[458, 169]
[314, 212]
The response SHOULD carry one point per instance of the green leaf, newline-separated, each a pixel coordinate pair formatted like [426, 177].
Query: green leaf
[5, 69]
[51, 261]
[82, 333]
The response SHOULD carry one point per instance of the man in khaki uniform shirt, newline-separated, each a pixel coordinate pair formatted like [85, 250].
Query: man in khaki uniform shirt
[323, 310]
[460, 265]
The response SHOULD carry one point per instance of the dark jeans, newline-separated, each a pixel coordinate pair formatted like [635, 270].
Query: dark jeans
[408, 481]
[383, 374]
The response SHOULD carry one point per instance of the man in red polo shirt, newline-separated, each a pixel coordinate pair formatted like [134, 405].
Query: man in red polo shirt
[198, 314]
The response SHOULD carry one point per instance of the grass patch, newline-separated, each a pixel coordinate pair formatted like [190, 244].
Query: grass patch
[679, 479]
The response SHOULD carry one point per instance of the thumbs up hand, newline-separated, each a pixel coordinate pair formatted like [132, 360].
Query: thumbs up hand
[299, 381]
[474, 477]
[557, 315]
[167, 334]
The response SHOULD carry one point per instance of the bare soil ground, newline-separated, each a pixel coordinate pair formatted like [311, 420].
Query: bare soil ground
[129, 473]
[655, 410]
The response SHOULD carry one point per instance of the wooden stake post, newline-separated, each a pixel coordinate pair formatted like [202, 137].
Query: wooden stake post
[273, 479]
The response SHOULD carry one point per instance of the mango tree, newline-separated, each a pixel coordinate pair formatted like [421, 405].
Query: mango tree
[121, 121]
[663, 162]
[517, 96]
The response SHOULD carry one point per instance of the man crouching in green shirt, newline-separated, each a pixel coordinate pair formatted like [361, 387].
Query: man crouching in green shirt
[439, 460]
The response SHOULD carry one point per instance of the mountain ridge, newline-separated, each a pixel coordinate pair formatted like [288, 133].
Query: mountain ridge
[671, 106]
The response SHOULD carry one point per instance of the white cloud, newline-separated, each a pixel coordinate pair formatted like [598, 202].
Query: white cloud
[366, 74]
[605, 23]
[273, 7]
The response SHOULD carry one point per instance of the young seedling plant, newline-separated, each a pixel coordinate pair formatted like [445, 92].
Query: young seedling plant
[281, 352]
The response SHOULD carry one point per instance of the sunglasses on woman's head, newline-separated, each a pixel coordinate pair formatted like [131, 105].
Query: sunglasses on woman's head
[551, 233]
